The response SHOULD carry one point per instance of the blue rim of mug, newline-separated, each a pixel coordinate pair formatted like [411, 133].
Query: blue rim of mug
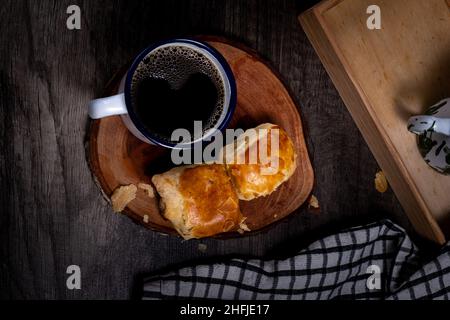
[202, 45]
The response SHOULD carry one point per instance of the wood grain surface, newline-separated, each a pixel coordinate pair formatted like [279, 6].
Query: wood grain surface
[384, 79]
[51, 212]
[118, 158]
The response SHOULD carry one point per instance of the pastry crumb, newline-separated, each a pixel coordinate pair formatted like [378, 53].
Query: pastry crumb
[147, 188]
[380, 182]
[313, 202]
[243, 227]
[122, 196]
[202, 247]
[145, 218]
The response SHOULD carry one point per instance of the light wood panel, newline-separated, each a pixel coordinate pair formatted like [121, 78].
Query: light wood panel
[384, 76]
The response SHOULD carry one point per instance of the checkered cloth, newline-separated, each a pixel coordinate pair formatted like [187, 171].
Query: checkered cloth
[377, 261]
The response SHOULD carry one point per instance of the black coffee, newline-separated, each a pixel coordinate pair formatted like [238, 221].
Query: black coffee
[175, 86]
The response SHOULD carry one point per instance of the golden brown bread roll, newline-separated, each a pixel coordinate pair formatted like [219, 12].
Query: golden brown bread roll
[263, 175]
[200, 200]
[203, 200]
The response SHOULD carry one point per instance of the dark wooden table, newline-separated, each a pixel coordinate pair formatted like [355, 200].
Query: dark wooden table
[52, 214]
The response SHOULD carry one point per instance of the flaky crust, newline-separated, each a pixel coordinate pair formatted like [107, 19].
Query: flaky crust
[200, 201]
[255, 180]
[122, 196]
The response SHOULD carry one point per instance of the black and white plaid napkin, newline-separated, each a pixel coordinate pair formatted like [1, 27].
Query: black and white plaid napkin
[377, 261]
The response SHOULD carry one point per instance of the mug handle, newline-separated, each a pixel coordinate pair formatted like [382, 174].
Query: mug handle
[109, 106]
[420, 124]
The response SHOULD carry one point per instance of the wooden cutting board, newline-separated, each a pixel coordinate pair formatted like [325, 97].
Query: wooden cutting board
[117, 158]
[385, 76]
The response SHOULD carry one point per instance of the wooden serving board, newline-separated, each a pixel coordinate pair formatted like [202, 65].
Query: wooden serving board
[385, 76]
[118, 158]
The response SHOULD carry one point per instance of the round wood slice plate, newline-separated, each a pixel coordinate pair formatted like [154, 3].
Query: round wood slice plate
[117, 158]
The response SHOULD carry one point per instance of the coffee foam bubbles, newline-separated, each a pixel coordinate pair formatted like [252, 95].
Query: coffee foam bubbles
[175, 64]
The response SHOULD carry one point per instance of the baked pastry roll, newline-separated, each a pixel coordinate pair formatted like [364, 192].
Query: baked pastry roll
[260, 160]
[199, 200]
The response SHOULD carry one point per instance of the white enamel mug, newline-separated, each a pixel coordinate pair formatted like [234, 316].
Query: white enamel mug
[121, 103]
